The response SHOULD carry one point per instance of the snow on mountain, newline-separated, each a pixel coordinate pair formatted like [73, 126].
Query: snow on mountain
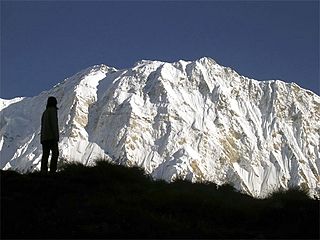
[196, 120]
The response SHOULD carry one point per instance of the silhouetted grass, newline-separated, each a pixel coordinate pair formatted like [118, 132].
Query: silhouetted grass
[111, 201]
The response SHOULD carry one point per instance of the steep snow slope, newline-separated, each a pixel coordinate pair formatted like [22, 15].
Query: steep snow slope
[196, 120]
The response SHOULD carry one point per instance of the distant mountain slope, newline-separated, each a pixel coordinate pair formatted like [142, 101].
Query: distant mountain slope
[196, 120]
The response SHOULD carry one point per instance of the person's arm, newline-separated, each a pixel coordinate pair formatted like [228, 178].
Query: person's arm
[53, 118]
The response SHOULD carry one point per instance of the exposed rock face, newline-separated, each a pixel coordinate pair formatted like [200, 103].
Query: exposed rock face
[197, 120]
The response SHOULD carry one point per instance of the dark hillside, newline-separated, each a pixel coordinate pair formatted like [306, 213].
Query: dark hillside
[110, 201]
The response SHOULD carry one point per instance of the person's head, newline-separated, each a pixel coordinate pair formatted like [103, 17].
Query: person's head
[52, 102]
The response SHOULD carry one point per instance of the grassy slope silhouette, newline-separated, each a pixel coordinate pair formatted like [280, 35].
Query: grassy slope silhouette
[111, 201]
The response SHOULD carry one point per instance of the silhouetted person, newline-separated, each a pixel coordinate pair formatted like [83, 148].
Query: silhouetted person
[50, 136]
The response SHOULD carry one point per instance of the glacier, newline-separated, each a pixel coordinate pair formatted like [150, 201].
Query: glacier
[195, 120]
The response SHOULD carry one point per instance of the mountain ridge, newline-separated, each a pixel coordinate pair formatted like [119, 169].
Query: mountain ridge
[191, 119]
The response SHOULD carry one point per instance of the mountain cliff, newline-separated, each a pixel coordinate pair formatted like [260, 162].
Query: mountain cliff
[189, 119]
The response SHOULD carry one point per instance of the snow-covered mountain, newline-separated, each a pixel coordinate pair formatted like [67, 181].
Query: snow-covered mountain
[196, 120]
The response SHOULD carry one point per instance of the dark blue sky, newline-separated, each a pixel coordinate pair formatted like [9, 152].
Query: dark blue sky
[44, 42]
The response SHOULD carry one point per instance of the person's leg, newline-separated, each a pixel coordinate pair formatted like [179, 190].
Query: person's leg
[54, 157]
[45, 156]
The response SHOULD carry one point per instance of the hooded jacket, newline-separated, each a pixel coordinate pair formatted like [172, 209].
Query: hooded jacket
[49, 125]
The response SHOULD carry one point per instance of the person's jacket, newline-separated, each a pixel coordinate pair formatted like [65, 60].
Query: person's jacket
[49, 125]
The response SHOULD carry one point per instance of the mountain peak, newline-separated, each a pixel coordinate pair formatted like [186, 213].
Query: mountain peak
[188, 119]
[205, 60]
